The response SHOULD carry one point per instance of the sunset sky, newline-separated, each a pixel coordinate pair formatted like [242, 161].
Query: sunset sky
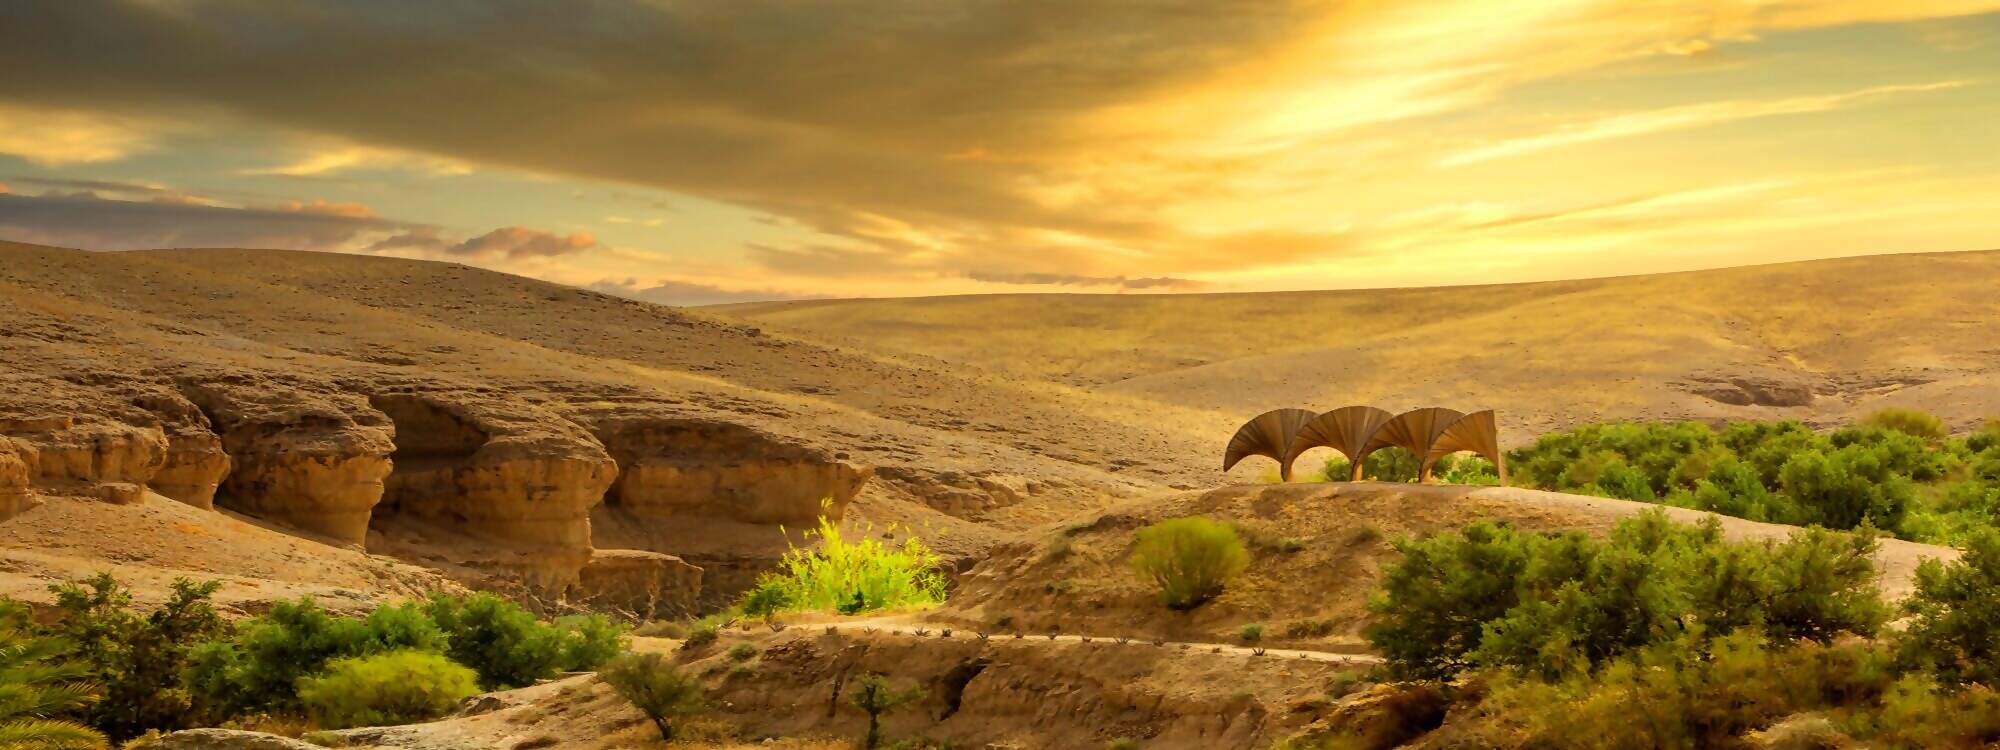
[698, 152]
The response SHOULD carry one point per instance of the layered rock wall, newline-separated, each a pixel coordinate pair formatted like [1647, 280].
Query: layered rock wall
[647, 585]
[699, 467]
[466, 465]
[316, 461]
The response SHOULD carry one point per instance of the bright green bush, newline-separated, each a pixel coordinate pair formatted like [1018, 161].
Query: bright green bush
[137, 658]
[395, 687]
[504, 643]
[1189, 559]
[1847, 488]
[657, 687]
[1562, 604]
[849, 577]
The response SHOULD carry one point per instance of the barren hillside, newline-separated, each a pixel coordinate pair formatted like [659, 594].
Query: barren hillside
[500, 428]
[1815, 340]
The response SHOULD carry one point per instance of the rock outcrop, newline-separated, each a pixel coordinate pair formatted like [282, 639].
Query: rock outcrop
[675, 466]
[647, 585]
[515, 475]
[16, 481]
[314, 459]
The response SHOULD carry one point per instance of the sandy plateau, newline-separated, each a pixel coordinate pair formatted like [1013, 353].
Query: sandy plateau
[364, 429]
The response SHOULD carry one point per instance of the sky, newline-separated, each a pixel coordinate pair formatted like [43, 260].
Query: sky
[698, 152]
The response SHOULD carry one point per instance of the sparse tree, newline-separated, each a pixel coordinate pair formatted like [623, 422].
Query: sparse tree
[657, 687]
[874, 695]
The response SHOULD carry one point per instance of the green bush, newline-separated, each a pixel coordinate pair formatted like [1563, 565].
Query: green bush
[1251, 633]
[1562, 604]
[657, 687]
[848, 577]
[1954, 623]
[136, 658]
[396, 687]
[742, 652]
[505, 644]
[258, 668]
[591, 640]
[1189, 559]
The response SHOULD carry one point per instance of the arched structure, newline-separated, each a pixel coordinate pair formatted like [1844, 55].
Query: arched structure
[1429, 433]
[1269, 434]
[1417, 431]
[1347, 429]
[1478, 432]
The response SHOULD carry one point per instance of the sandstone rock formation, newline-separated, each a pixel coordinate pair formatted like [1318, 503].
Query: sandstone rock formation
[513, 474]
[680, 466]
[315, 460]
[16, 490]
[648, 585]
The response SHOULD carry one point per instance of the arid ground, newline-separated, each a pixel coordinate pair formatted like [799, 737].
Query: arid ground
[365, 429]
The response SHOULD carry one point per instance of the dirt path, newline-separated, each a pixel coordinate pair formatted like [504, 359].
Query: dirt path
[907, 624]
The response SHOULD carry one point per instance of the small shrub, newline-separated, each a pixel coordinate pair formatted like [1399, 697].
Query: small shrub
[505, 644]
[1912, 422]
[742, 652]
[398, 687]
[1003, 621]
[1309, 629]
[849, 577]
[1122, 743]
[701, 635]
[1251, 633]
[875, 696]
[1189, 559]
[657, 687]
[590, 640]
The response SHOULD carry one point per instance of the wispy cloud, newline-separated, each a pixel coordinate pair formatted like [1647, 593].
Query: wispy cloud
[57, 137]
[1682, 117]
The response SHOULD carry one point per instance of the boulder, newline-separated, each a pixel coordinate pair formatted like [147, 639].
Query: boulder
[649, 585]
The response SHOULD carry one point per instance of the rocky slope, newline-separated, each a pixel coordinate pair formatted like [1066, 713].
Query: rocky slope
[507, 432]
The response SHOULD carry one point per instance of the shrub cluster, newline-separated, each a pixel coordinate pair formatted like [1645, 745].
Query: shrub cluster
[1400, 465]
[847, 577]
[181, 665]
[1667, 636]
[1557, 604]
[1895, 471]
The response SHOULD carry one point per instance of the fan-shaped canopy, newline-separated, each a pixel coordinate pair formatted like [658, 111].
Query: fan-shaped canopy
[1346, 429]
[1478, 432]
[1416, 430]
[1269, 434]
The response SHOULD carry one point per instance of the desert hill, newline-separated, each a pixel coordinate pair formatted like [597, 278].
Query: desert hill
[497, 427]
[1817, 340]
